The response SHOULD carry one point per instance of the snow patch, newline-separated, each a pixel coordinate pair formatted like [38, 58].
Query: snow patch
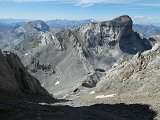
[53, 37]
[92, 92]
[105, 96]
[64, 97]
[155, 47]
[39, 26]
[44, 104]
[92, 20]
[42, 84]
[114, 65]
[57, 83]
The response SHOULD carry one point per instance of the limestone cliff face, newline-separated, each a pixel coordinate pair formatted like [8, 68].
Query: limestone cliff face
[108, 34]
[15, 79]
[107, 43]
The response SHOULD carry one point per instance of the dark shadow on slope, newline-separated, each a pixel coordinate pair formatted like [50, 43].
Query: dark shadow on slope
[29, 111]
[7, 97]
[133, 46]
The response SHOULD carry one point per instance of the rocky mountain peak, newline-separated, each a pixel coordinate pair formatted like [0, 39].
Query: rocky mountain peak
[111, 34]
[39, 25]
[122, 21]
[124, 18]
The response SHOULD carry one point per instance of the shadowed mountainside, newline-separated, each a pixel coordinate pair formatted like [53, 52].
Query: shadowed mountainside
[15, 79]
[32, 111]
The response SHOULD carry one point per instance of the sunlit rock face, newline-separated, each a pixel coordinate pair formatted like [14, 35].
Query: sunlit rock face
[136, 76]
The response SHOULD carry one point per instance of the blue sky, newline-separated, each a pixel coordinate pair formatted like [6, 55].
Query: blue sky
[141, 11]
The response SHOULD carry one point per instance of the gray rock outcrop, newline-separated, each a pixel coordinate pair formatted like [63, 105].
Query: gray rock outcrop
[139, 75]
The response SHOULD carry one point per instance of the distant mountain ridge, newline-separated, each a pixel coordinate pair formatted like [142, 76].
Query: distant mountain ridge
[70, 24]
[146, 30]
[13, 21]
[55, 23]
[143, 30]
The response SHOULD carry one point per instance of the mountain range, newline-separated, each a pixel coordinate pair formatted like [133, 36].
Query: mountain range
[83, 62]
[143, 30]
[146, 30]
